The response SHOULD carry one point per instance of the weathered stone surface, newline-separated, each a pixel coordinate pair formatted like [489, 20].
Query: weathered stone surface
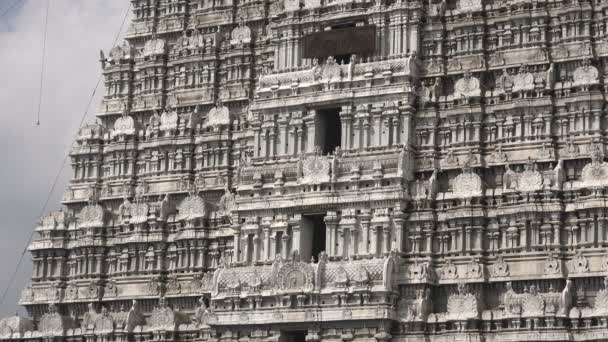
[449, 185]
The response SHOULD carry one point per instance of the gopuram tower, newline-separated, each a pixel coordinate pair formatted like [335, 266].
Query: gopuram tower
[336, 171]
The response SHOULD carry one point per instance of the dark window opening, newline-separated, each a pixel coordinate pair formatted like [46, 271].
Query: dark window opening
[312, 236]
[343, 58]
[293, 336]
[328, 130]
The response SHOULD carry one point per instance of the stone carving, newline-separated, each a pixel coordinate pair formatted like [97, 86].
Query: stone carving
[192, 209]
[331, 71]
[382, 191]
[27, 295]
[138, 211]
[586, 75]
[154, 46]
[467, 184]
[88, 319]
[227, 203]
[565, 299]
[294, 275]
[530, 179]
[500, 268]
[163, 317]
[605, 263]
[450, 159]
[134, 318]
[579, 264]
[415, 309]
[241, 35]
[315, 169]
[15, 326]
[559, 174]
[505, 80]
[124, 126]
[219, 116]
[104, 323]
[54, 292]
[71, 292]
[475, 270]
[552, 265]
[524, 80]
[600, 307]
[595, 174]
[202, 314]
[168, 120]
[120, 52]
[467, 87]
[92, 291]
[53, 323]
[509, 178]
[499, 156]
[449, 270]
[110, 290]
[173, 286]
[291, 5]
[462, 305]
[154, 287]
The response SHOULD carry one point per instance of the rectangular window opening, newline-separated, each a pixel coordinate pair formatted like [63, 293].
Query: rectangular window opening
[293, 336]
[312, 236]
[328, 130]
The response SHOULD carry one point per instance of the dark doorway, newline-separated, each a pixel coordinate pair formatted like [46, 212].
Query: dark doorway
[328, 129]
[312, 236]
[293, 336]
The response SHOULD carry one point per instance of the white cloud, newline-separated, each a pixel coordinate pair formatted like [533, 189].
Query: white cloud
[31, 155]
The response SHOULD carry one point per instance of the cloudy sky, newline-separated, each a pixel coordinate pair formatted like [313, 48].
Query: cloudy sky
[32, 155]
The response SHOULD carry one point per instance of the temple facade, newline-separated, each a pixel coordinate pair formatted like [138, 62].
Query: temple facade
[336, 170]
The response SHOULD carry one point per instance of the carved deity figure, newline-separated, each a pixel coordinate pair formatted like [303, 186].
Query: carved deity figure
[125, 125]
[505, 80]
[586, 74]
[227, 203]
[241, 34]
[169, 119]
[466, 87]
[218, 116]
[559, 174]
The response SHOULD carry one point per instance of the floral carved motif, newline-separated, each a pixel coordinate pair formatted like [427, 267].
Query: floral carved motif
[462, 305]
[467, 184]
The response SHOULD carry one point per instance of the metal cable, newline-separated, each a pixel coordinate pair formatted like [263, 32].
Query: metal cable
[42, 60]
[56, 180]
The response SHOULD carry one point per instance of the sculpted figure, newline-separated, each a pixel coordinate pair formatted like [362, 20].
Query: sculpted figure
[565, 298]
[559, 174]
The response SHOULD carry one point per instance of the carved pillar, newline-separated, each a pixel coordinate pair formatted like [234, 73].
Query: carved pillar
[398, 221]
[236, 256]
[365, 219]
[310, 120]
[345, 119]
[294, 223]
[373, 240]
[256, 141]
[331, 222]
[267, 254]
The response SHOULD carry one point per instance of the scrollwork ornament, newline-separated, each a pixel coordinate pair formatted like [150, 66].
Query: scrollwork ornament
[449, 270]
[552, 265]
[500, 268]
[580, 263]
[71, 292]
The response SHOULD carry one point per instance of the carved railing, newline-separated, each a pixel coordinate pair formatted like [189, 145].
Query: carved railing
[331, 73]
